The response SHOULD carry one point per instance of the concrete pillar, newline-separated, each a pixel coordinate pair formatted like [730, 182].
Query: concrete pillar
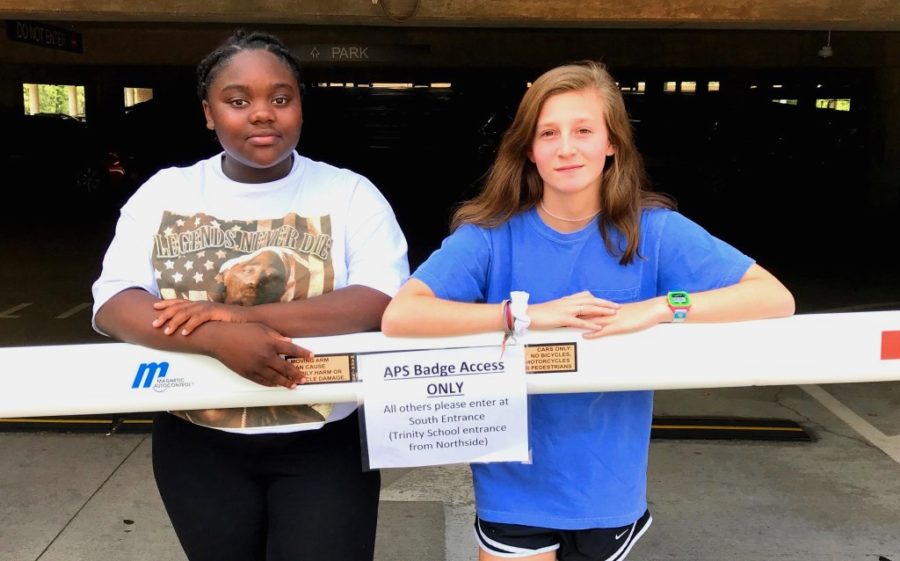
[886, 173]
[142, 94]
[34, 99]
[72, 92]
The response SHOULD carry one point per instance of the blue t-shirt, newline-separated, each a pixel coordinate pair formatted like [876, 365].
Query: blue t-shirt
[589, 450]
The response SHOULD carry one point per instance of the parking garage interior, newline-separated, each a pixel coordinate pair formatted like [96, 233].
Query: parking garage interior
[775, 124]
[785, 142]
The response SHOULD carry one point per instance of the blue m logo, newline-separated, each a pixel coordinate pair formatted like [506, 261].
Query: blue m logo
[147, 371]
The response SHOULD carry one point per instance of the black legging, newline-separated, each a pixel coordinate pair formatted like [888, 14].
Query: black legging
[272, 497]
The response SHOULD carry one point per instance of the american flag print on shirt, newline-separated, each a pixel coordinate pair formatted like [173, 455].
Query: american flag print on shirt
[204, 258]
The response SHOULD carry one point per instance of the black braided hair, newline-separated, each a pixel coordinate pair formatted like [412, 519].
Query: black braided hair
[239, 41]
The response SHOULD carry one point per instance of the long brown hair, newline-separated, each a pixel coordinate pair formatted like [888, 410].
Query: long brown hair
[513, 183]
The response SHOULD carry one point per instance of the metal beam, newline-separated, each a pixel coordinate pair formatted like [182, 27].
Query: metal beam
[804, 349]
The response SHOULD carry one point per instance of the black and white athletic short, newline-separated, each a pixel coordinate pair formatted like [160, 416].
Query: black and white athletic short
[597, 544]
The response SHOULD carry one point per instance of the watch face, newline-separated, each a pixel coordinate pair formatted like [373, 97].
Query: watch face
[679, 299]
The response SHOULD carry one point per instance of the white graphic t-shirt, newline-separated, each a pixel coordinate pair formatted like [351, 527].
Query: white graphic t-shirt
[192, 233]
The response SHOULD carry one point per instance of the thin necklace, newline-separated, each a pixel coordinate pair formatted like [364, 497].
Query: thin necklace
[551, 215]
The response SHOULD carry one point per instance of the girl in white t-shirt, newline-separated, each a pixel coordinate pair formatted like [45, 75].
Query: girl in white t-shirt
[231, 257]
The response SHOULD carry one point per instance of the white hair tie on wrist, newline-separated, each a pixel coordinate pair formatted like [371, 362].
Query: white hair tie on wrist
[518, 305]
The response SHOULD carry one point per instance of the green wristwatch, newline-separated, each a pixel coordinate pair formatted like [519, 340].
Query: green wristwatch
[679, 302]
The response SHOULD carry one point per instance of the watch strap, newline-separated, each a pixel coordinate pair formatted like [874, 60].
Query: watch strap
[679, 302]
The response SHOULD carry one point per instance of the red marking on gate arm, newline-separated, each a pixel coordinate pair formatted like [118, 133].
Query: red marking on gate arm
[890, 345]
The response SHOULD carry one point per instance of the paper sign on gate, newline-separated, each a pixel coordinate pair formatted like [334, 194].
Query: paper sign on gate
[445, 406]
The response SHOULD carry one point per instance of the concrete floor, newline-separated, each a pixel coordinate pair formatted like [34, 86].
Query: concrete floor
[86, 497]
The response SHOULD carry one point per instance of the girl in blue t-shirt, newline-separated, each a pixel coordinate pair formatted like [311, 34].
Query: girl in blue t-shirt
[566, 215]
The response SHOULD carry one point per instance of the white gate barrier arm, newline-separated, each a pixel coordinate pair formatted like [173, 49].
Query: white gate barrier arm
[804, 349]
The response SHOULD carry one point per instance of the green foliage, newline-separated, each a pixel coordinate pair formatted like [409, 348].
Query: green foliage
[54, 99]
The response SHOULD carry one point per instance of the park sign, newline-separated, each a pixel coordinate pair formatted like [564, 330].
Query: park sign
[44, 35]
[360, 53]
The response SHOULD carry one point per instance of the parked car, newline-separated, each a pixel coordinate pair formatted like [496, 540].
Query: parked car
[161, 133]
[56, 158]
